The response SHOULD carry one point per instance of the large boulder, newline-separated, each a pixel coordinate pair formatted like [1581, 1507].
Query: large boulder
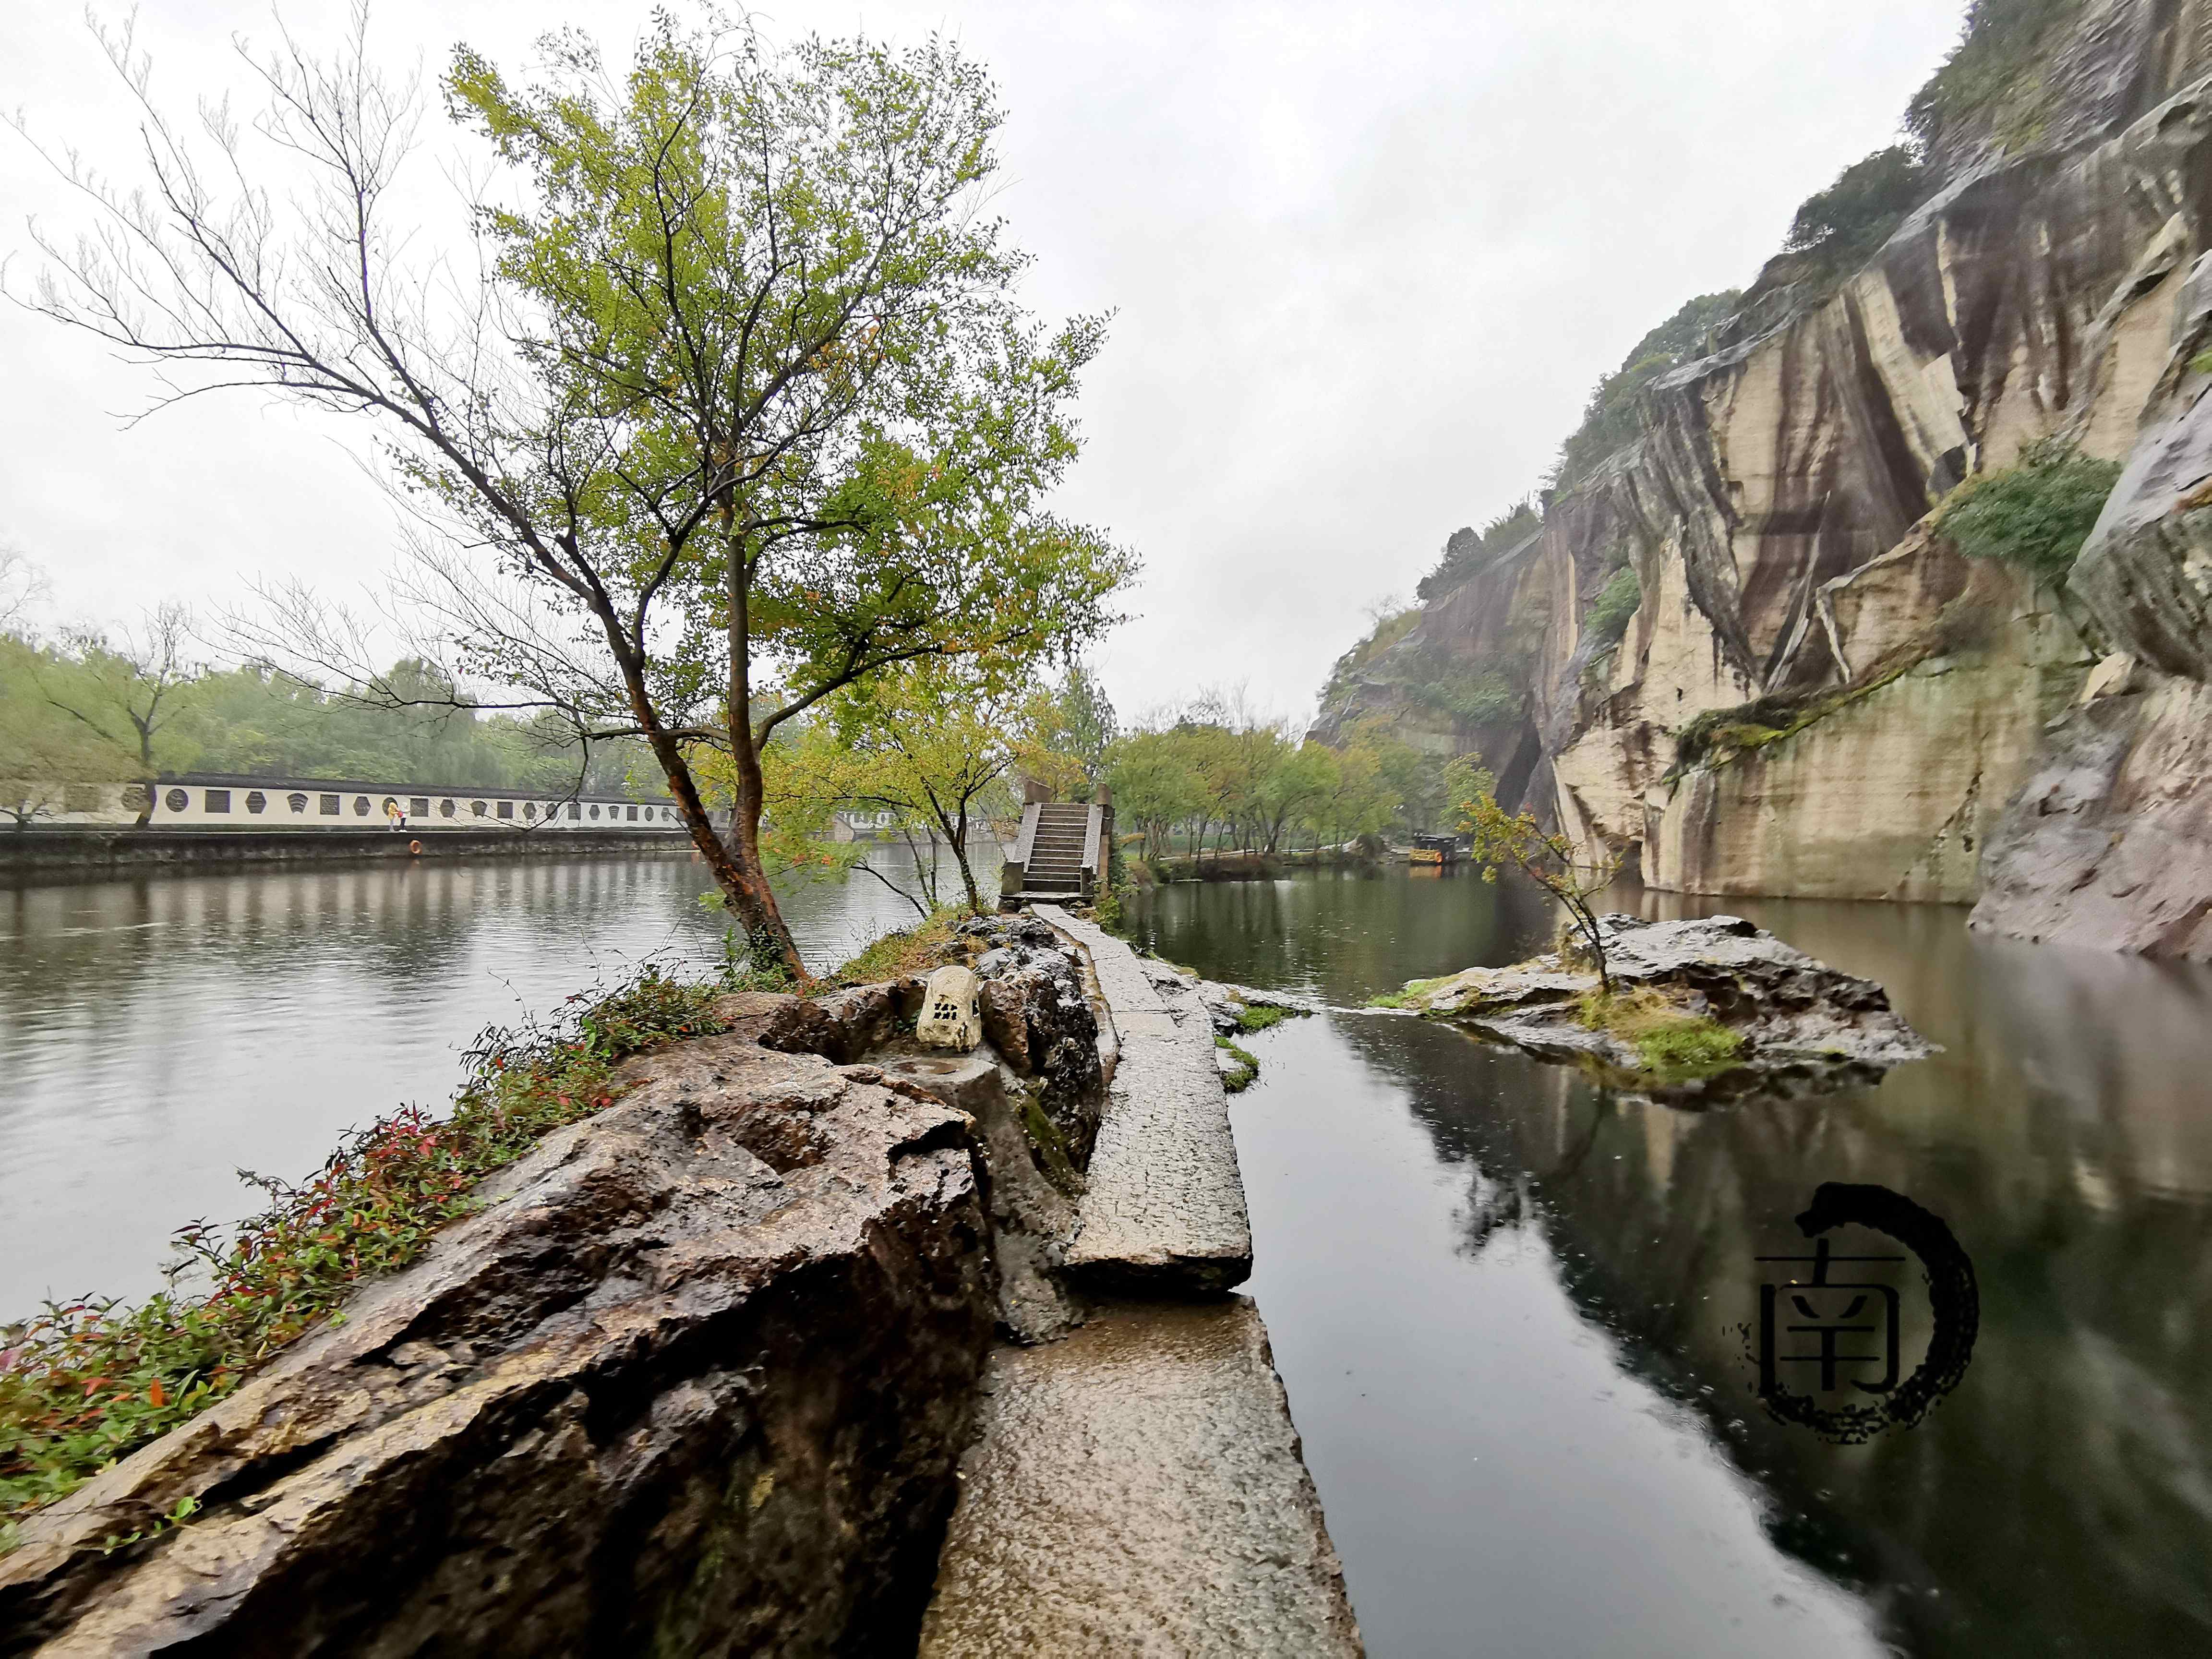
[693, 1381]
[1037, 1015]
[1797, 1023]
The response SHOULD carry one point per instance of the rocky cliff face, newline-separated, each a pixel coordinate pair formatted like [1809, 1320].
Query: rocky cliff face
[1815, 697]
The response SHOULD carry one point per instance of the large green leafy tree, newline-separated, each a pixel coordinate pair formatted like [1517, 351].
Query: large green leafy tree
[743, 412]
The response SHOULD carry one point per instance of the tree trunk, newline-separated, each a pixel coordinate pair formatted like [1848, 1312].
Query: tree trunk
[956, 833]
[743, 878]
[737, 869]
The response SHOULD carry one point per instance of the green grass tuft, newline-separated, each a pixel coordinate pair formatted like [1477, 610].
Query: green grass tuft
[1407, 993]
[1666, 1037]
[1235, 1082]
[919, 949]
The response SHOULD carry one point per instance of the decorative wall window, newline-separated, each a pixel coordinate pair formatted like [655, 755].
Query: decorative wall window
[445, 809]
[360, 807]
[218, 801]
[633, 815]
[477, 807]
[137, 798]
[574, 811]
[595, 809]
[418, 806]
[296, 802]
[529, 810]
[176, 800]
[80, 797]
[330, 806]
[255, 802]
[506, 809]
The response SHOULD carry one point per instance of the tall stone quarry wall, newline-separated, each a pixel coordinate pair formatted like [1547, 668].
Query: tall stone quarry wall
[1773, 511]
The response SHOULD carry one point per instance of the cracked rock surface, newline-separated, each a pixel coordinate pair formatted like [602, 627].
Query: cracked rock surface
[694, 1380]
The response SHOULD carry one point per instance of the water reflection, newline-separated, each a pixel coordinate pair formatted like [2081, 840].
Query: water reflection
[157, 1034]
[2058, 1503]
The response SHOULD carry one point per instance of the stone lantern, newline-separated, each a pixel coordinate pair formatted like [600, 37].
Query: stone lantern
[949, 1016]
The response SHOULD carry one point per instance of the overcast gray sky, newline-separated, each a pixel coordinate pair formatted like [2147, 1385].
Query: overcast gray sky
[1367, 262]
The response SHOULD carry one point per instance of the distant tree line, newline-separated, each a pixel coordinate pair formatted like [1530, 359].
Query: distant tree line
[1213, 777]
[85, 706]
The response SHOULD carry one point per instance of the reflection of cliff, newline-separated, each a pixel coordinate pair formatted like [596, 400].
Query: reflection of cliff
[1345, 935]
[2061, 1501]
[1873, 701]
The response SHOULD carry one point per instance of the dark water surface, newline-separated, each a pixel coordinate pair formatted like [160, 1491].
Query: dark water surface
[1509, 1306]
[158, 1033]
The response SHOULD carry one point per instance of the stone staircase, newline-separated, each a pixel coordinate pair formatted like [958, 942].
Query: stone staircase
[1055, 867]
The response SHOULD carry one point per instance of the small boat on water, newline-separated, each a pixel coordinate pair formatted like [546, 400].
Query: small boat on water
[1437, 852]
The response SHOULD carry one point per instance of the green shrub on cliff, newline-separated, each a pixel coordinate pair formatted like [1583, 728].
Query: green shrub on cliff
[1616, 603]
[1474, 697]
[1843, 226]
[2035, 514]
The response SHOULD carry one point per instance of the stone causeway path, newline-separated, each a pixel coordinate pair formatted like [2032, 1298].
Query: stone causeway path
[1137, 1486]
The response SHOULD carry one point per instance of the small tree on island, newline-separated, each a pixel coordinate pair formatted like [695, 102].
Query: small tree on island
[1547, 859]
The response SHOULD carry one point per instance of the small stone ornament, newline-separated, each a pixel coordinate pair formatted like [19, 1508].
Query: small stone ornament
[949, 1017]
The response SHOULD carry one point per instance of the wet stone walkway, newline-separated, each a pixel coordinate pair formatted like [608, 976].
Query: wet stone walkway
[1137, 1487]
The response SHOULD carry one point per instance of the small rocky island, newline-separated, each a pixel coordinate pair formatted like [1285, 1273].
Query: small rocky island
[1702, 1010]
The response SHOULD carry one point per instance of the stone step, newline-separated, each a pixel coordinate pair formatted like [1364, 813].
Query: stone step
[1165, 1206]
[1137, 1487]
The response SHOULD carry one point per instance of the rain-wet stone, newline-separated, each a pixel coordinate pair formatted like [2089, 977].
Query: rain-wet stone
[1164, 1211]
[1138, 1488]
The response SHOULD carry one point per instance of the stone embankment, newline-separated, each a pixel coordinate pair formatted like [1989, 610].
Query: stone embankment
[1137, 1487]
[70, 849]
[712, 1372]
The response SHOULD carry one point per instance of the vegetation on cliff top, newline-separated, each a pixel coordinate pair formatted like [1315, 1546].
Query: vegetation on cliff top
[1610, 419]
[2035, 514]
[86, 1383]
[1468, 550]
[1991, 75]
[1839, 228]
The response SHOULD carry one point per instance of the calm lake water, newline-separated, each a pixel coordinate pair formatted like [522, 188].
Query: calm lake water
[1506, 1305]
[1509, 1307]
[158, 1034]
